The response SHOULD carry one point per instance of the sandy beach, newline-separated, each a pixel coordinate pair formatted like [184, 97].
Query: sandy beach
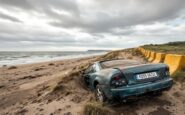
[25, 87]
[55, 88]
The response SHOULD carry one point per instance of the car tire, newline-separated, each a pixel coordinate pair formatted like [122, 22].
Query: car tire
[99, 94]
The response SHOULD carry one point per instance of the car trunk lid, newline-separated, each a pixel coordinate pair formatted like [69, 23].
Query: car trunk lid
[143, 73]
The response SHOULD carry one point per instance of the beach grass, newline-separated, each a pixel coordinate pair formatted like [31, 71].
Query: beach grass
[95, 108]
[171, 47]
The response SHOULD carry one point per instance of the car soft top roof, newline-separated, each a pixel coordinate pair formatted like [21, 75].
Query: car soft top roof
[118, 62]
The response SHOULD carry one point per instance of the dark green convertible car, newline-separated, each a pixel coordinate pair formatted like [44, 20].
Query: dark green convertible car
[126, 79]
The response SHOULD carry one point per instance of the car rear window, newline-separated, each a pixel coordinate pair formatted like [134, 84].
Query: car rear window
[118, 63]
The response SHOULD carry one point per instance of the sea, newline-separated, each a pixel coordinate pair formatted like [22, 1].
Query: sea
[17, 58]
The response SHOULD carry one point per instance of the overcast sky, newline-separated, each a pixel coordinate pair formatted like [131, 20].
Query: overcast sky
[89, 24]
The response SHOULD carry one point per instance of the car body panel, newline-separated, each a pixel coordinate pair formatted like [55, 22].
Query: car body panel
[131, 71]
[136, 90]
[134, 87]
[102, 77]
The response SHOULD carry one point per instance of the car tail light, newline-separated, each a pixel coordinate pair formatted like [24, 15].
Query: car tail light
[118, 81]
[167, 72]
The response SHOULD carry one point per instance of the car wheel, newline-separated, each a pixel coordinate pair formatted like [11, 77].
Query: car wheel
[99, 95]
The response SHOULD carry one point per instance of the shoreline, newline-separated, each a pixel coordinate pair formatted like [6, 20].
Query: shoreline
[52, 60]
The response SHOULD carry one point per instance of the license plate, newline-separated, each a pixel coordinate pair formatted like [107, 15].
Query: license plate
[146, 75]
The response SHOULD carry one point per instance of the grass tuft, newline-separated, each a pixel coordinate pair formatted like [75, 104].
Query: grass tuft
[179, 76]
[95, 108]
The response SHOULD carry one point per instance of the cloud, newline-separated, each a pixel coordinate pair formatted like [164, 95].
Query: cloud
[24, 4]
[108, 15]
[79, 24]
[40, 6]
[8, 17]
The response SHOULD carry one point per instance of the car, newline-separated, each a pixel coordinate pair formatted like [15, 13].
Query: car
[123, 80]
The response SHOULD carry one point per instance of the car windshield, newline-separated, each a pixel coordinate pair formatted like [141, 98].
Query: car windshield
[118, 63]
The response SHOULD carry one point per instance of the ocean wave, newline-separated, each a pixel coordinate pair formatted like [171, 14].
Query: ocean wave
[16, 58]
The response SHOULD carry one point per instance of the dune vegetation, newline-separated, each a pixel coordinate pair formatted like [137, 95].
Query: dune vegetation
[171, 47]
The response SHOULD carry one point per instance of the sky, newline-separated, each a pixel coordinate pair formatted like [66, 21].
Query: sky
[75, 25]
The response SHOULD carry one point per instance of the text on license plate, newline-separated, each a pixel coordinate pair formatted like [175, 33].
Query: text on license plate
[146, 75]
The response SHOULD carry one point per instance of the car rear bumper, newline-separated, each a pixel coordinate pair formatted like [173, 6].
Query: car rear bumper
[140, 89]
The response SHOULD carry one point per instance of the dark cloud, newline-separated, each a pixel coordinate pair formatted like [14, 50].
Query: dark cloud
[41, 6]
[135, 12]
[23, 4]
[8, 17]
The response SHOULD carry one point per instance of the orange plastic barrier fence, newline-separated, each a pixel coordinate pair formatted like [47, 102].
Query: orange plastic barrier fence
[148, 55]
[142, 51]
[159, 58]
[152, 56]
[175, 62]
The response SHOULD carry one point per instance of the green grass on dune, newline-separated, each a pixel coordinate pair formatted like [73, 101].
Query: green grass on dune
[172, 47]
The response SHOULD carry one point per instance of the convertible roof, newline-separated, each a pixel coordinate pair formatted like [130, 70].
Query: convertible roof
[118, 63]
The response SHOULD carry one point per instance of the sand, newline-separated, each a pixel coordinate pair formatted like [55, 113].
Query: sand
[55, 88]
